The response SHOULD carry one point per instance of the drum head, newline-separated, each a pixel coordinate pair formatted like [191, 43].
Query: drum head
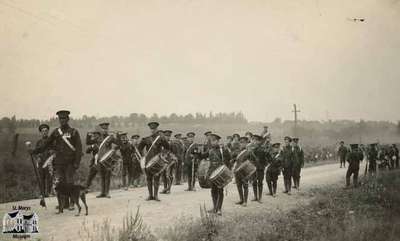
[107, 155]
[217, 171]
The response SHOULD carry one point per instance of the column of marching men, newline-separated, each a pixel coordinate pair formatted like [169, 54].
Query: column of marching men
[213, 164]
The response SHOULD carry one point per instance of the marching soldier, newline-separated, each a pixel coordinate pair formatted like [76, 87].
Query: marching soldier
[394, 156]
[218, 156]
[298, 162]
[228, 144]
[44, 161]
[239, 156]
[207, 142]
[136, 169]
[258, 157]
[354, 157]
[106, 145]
[168, 173]
[68, 153]
[372, 155]
[93, 140]
[127, 151]
[179, 149]
[191, 161]
[287, 163]
[342, 153]
[274, 169]
[152, 146]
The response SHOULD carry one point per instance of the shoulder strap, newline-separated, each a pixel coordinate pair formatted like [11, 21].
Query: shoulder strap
[66, 140]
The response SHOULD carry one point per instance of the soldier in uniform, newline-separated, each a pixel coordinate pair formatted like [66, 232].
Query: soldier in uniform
[152, 146]
[45, 174]
[372, 156]
[239, 156]
[259, 157]
[127, 151]
[68, 149]
[394, 156]
[287, 164]
[179, 149]
[106, 143]
[191, 161]
[298, 162]
[207, 141]
[137, 170]
[218, 156]
[235, 142]
[274, 169]
[342, 153]
[228, 144]
[354, 157]
[93, 140]
[168, 173]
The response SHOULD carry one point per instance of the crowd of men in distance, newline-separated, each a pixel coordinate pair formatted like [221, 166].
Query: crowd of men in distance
[64, 148]
[383, 157]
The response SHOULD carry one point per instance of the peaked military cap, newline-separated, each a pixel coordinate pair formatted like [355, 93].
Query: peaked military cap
[276, 144]
[217, 137]
[168, 132]
[178, 135]
[136, 136]
[104, 125]
[207, 133]
[63, 113]
[236, 135]
[257, 137]
[42, 126]
[190, 134]
[153, 125]
[353, 146]
[243, 138]
[288, 138]
[295, 139]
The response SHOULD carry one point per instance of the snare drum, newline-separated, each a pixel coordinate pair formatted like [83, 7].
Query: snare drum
[108, 159]
[156, 165]
[245, 171]
[221, 177]
[202, 174]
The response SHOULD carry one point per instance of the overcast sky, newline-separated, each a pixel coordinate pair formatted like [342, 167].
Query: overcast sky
[260, 57]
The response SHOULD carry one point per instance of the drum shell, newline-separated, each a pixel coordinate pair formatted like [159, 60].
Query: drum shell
[156, 165]
[245, 171]
[110, 160]
[221, 177]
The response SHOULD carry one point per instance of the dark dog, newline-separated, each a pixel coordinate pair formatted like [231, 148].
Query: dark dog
[65, 190]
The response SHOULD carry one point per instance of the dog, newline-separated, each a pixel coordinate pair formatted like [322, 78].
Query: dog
[65, 190]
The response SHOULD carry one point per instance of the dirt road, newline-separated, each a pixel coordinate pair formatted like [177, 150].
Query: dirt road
[161, 214]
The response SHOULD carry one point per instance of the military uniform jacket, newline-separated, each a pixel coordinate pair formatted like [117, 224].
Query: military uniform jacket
[158, 147]
[127, 152]
[44, 155]
[217, 156]
[275, 163]
[354, 158]
[192, 153]
[65, 155]
[287, 157]
[298, 157]
[239, 156]
[259, 157]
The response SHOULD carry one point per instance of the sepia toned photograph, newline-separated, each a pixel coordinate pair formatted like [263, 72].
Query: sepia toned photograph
[200, 120]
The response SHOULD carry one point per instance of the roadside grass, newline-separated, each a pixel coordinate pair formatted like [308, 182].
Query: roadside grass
[132, 229]
[369, 213]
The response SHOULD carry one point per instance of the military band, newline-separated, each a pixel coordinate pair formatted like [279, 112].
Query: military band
[246, 158]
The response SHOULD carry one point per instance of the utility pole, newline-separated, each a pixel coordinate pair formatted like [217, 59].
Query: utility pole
[295, 111]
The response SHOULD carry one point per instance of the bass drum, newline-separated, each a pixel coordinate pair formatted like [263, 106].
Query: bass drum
[109, 159]
[202, 172]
